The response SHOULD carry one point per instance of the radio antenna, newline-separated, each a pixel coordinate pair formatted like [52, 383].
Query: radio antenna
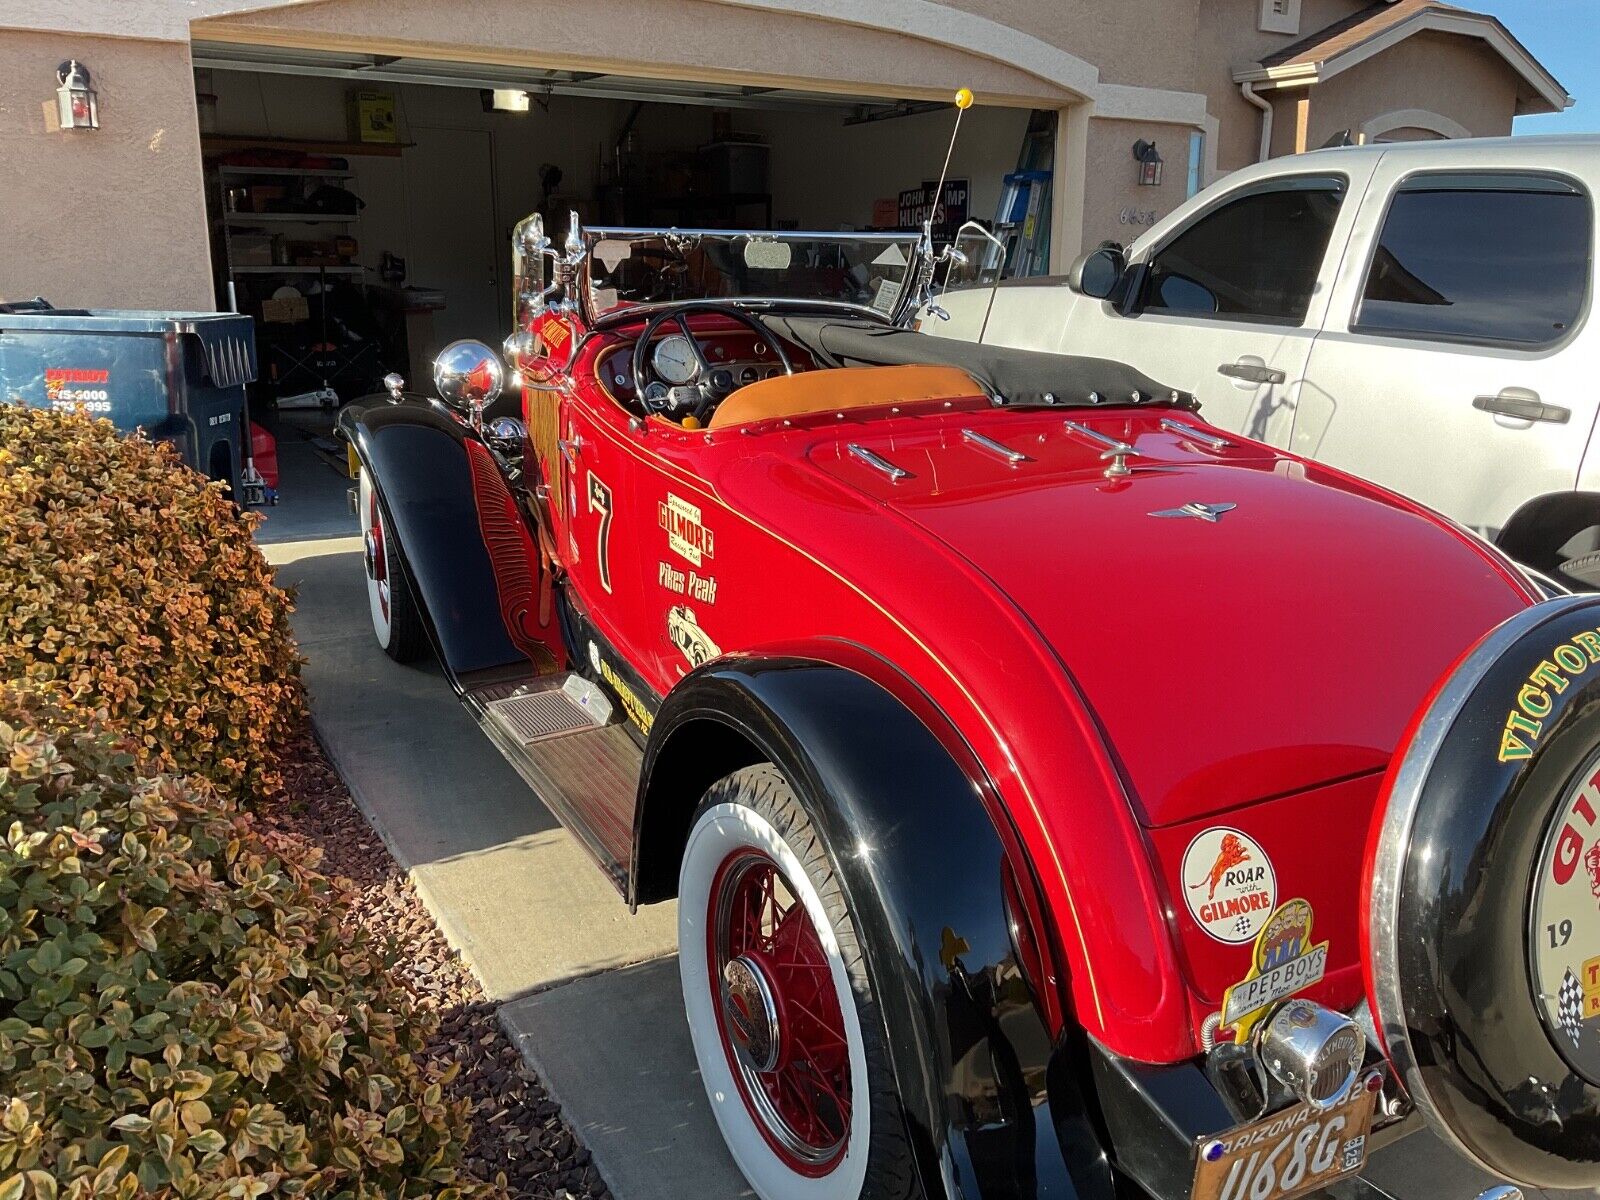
[963, 102]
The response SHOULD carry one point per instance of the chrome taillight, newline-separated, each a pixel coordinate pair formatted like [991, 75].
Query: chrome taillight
[1313, 1051]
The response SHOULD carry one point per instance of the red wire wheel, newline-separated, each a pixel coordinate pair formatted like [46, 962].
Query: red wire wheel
[396, 621]
[377, 560]
[778, 1013]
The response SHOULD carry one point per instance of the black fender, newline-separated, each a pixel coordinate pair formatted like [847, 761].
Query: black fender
[1482, 926]
[925, 873]
[418, 457]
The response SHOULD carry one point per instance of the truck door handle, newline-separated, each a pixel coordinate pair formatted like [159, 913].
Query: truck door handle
[1524, 404]
[1252, 372]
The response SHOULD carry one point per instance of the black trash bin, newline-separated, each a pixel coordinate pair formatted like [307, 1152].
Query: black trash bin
[178, 376]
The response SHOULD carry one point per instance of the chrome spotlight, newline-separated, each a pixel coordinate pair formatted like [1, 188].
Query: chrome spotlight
[1313, 1051]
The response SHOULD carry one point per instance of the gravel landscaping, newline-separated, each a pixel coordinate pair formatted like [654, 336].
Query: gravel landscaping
[518, 1131]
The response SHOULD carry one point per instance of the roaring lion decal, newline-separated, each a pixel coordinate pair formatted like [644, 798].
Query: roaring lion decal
[1231, 855]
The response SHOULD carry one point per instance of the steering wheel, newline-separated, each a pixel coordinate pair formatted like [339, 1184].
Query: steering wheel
[704, 394]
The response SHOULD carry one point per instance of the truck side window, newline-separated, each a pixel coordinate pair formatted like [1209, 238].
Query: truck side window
[1497, 259]
[1256, 258]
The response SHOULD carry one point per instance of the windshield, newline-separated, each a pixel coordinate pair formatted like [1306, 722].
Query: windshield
[650, 266]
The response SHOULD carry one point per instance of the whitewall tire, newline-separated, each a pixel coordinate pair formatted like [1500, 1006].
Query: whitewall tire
[780, 1009]
[395, 621]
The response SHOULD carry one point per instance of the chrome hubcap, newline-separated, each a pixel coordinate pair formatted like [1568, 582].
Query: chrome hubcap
[752, 1014]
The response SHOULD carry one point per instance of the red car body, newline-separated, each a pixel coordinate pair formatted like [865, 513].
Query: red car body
[1179, 673]
[1125, 680]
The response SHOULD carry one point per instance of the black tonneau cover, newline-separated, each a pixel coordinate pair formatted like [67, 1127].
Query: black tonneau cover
[1019, 376]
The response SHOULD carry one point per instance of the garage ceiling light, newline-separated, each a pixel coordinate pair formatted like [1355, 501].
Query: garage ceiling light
[510, 100]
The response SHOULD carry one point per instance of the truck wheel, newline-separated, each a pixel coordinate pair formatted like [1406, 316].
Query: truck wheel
[396, 623]
[785, 1026]
[1482, 924]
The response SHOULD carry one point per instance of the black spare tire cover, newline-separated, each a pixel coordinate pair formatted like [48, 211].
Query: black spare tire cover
[1483, 904]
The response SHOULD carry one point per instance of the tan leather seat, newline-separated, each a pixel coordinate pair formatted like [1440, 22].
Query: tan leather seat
[841, 388]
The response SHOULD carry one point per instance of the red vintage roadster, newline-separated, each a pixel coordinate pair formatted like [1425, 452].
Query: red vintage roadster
[1060, 797]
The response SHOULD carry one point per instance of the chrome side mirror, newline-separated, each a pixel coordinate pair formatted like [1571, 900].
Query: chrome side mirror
[469, 377]
[1096, 273]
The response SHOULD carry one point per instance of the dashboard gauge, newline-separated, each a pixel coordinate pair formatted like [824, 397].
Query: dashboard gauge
[749, 375]
[675, 360]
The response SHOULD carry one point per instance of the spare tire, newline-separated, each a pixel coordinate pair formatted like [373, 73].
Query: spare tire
[1482, 924]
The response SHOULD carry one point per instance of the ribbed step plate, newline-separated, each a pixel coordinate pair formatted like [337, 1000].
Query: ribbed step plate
[548, 708]
[532, 718]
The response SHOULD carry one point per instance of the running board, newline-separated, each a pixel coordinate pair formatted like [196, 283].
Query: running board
[557, 732]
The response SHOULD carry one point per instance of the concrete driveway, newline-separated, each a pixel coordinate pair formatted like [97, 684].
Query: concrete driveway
[588, 992]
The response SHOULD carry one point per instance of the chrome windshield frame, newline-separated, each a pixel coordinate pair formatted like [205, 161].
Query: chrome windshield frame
[633, 313]
[908, 301]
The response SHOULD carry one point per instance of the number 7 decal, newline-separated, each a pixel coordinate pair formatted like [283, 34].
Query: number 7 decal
[600, 502]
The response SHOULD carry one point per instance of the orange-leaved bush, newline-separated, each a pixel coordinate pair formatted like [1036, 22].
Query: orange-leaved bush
[131, 584]
[186, 1009]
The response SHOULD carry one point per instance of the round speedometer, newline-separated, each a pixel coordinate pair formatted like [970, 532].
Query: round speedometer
[675, 360]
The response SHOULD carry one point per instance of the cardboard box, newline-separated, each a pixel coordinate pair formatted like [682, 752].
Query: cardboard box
[372, 116]
[285, 312]
[253, 249]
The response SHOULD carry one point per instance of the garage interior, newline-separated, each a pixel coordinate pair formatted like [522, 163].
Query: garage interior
[362, 205]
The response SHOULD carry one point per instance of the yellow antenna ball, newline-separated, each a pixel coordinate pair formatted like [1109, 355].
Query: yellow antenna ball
[964, 98]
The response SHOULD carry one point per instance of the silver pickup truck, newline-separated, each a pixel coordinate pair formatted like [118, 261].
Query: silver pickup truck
[1418, 314]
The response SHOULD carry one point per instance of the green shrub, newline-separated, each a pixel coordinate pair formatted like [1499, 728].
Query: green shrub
[185, 1011]
[131, 585]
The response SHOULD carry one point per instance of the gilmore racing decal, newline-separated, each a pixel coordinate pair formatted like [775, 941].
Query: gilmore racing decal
[685, 534]
[75, 388]
[1228, 884]
[1565, 921]
[1525, 722]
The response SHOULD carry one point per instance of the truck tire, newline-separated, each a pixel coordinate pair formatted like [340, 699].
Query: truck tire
[391, 598]
[785, 1026]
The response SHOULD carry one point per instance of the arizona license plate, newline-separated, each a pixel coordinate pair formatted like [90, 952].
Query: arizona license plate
[1287, 1154]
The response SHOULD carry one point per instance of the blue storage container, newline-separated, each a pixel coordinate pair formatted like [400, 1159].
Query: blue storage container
[178, 376]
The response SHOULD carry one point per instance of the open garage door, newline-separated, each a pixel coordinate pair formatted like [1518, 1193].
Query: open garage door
[363, 202]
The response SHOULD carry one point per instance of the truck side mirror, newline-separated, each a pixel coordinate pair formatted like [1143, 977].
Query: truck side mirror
[1097, 272]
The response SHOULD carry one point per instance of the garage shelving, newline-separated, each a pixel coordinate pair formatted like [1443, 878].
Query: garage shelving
[304, 359]
[293, 269]
[286, 172]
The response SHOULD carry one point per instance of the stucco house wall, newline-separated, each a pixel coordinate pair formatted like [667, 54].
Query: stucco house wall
[695, 39]
[1458, 78]
[108, 217]
[1117, 208]
[118, 215]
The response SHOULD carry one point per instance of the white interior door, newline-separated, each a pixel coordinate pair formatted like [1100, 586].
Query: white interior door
[450, 187]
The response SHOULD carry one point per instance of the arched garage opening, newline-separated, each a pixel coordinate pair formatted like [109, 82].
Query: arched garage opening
[700, 114]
